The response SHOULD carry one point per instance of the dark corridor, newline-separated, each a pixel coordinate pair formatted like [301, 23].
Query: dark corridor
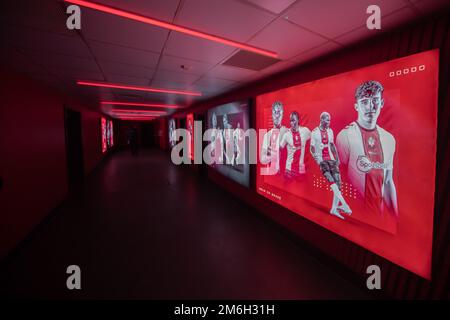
[144, 228]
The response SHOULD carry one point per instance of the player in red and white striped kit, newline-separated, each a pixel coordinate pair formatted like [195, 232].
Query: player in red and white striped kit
[368, 151]
[216, 142]
[324, 152]
[270, 149]
[295, 141]
[228, 140]
[238, 137]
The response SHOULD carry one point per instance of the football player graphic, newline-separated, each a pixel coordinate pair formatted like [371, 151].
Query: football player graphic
[367, 151]
[270, 149]
[325, 154]
[295, 141]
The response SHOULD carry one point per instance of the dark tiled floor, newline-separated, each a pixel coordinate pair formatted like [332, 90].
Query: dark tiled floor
[144, 228]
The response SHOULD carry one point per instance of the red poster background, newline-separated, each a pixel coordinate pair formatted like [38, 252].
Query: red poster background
[410, 115]
[103, 128]
[190, 122]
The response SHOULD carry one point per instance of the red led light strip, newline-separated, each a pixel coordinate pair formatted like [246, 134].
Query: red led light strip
[135, 119]
[170, 26]
[138, 104]
[138, 111]
[133, 116]
[137, 88]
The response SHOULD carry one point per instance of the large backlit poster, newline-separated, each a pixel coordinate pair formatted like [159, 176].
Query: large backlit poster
[356, 154]
[104, 134]
[190, 129]
[172, 133]
[109, 134]
[229, 145]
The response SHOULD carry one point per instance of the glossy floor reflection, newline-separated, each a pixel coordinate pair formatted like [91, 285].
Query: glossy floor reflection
[145, 228]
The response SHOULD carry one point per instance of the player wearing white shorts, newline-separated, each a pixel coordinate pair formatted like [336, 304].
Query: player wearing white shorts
[216, 140]
[368, 151]
[324, 152]
[238, 137]
[270, 149]
[295, 141]
[172, 134]
[228, 141]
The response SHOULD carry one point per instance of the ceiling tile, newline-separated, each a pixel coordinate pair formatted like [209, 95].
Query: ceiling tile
[189, 47]
[126, 69]
[179, 77]
[213, 84]
[72, 75]
[179, 100]
[171, 63]
[49, 15]
[27, 38]
[316, 52]
[278, 67]
[230, 19]
[92, 91]
[172, 84]
[62, 60]
[356, 35]
[120, 31]
[275, 6]
[109, 52]
[230, 73]
[387, 22]
[332, 18]
[286, 39]
[134, 81]
[162, 10]
[128, 95]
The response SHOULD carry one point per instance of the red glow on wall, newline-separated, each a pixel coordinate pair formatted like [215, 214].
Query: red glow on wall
[190, 129]
[138, 111]
[137, 88]
[110, 134]
[383, 141]
[103, 128]
[173, 27]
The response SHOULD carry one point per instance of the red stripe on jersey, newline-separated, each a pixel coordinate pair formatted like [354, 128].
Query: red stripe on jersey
[274, 139]
[325, 150]
[297, 140]
[373, 195]
[217, 151]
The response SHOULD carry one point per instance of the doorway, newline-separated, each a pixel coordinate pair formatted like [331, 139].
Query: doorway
[147, 135]
[74, 148]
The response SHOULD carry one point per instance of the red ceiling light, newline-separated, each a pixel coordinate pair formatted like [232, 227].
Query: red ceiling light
[136, 119]
[138, 104]
[138, 111]
[129, 117]
[133, 116]
[170, 26]
[137, 88]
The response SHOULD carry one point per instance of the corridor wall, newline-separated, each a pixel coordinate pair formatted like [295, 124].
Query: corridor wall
[430, 33]
[33, 153]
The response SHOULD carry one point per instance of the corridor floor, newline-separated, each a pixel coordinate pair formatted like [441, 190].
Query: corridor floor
[143, 228]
